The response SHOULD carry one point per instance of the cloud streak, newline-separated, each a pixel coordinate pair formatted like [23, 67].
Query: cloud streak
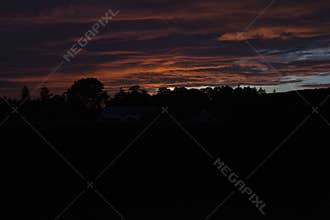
[164, 42]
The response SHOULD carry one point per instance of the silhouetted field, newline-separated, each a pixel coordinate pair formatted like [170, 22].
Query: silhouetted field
[165, 174]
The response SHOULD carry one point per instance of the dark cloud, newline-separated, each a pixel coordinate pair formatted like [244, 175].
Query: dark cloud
[164, 42]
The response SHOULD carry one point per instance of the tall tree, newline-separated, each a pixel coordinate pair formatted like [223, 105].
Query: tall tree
[88, 92]
[25, 93]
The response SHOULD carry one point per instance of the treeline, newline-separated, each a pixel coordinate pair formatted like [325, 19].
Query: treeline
[90, 93]
[86, 98]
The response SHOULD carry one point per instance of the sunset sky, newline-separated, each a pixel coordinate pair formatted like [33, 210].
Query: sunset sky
[155, 43]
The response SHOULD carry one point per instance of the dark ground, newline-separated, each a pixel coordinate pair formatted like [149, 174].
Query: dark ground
[164, 174]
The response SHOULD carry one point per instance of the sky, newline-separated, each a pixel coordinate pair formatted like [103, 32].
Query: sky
[165, 43]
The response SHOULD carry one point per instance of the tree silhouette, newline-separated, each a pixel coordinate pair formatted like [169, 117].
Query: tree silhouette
[25, 93]
[261, 91]
[88, 92]
[45, 94]
[137, 90]
[135, 95]
[163, 91]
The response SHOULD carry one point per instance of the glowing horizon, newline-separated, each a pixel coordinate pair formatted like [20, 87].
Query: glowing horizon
[166, 43]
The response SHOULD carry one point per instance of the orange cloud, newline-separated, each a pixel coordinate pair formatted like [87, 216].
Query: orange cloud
[271, 33]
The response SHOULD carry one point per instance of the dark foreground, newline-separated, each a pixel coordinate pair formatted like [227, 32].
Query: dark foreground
[162, 168]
